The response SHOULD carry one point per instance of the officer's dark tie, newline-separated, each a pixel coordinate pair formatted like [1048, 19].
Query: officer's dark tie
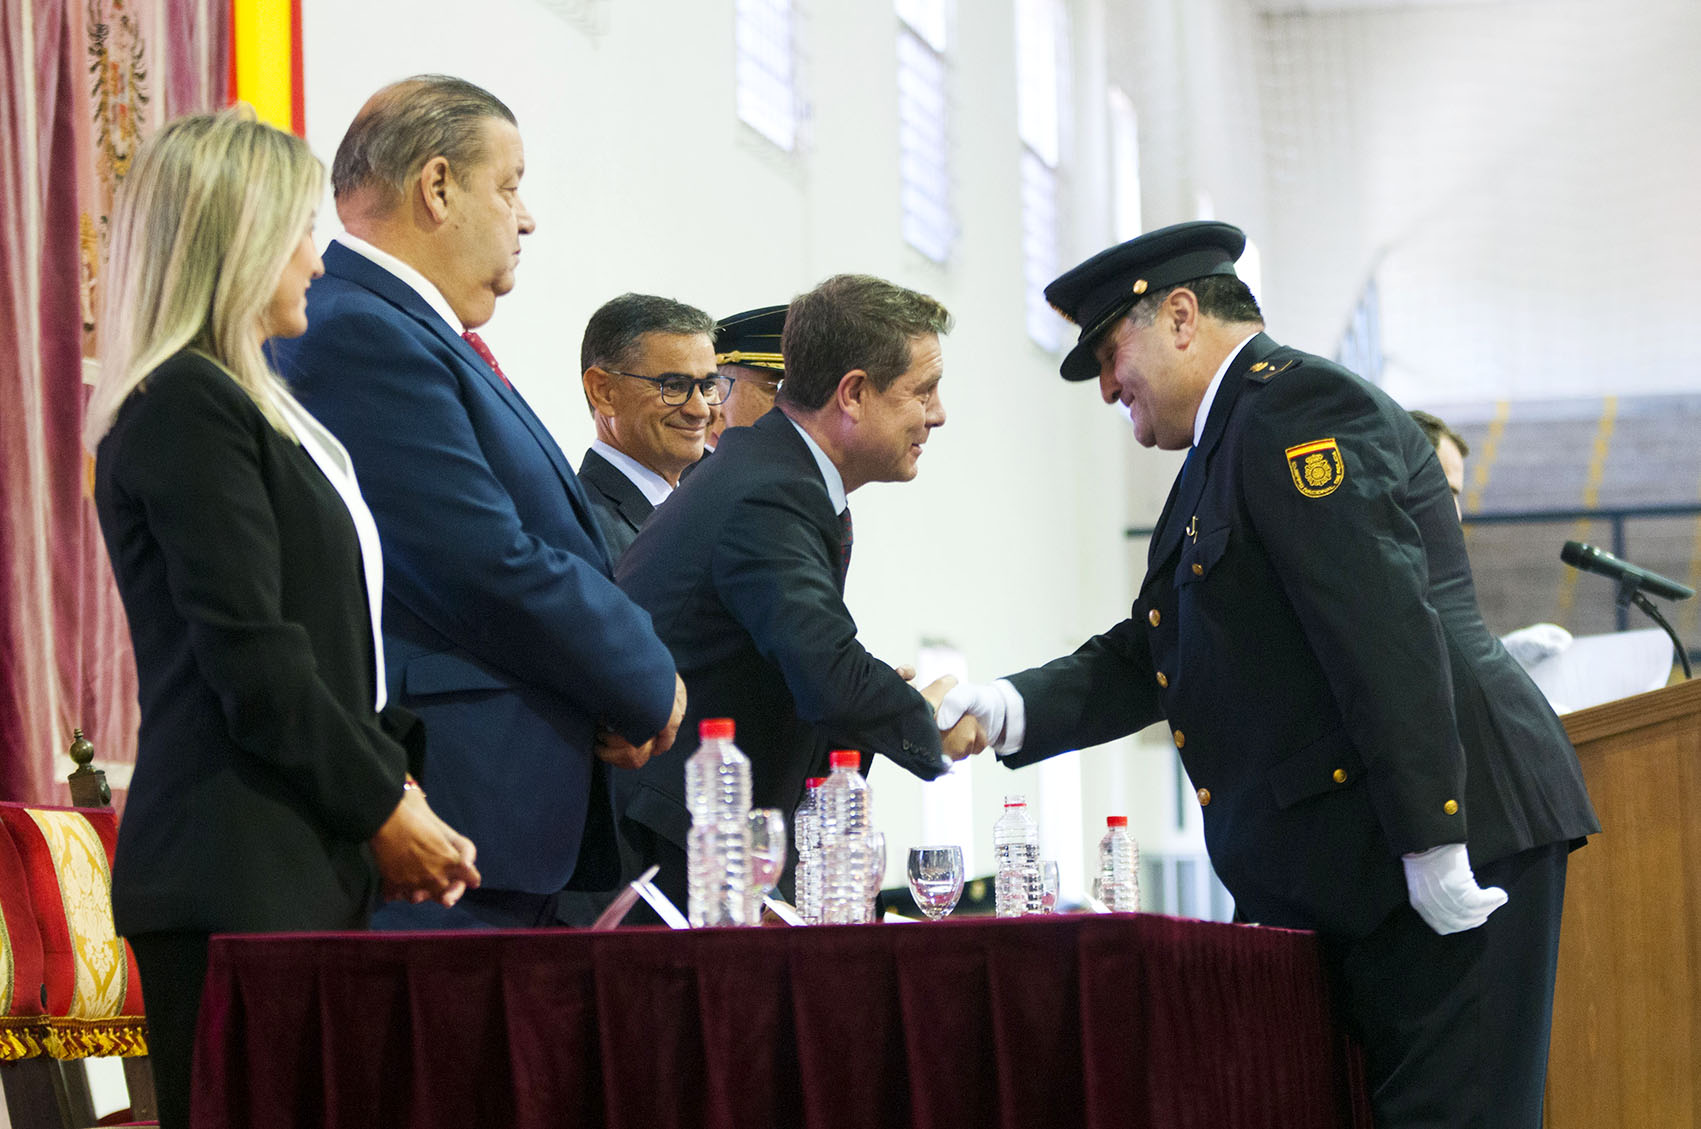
[845, 540]
[1187, 463]
[483, 350]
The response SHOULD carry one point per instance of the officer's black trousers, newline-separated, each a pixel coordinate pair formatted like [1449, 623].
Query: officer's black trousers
[1456, 1028]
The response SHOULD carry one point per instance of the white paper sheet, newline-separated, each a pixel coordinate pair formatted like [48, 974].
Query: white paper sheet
[1604, 668]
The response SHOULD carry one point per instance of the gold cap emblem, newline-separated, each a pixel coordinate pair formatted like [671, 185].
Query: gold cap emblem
[1139, 286]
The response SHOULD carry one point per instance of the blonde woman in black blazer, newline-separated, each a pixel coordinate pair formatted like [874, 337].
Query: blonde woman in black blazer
[272, 789]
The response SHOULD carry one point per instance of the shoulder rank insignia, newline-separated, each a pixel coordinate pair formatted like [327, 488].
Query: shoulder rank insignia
[1316, 467]
[1264, 370]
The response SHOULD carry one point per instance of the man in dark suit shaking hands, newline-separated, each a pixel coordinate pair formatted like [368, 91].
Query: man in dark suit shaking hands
[502, 626]
[743, 570]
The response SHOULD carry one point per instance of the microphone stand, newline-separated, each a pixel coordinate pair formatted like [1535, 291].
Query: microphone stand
[1630, 593]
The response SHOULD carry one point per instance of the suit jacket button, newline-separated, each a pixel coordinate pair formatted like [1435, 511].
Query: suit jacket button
[1451, 807]
[1181, 741]
[1163, 680]
[1204, 797]
[1152, 617]
[1340, 776]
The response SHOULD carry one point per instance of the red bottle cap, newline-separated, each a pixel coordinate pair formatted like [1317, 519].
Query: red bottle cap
[815, 781]
[845, 758]
[1116, 821]
[715, 727]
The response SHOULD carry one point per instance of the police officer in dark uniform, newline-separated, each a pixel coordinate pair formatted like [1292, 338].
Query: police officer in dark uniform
[747, 348]
[1370, 762]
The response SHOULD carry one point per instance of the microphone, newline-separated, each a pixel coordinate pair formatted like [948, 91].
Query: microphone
[1590, 559]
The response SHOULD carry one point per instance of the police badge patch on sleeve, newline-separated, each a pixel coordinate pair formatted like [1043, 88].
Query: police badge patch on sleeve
[1316, 467]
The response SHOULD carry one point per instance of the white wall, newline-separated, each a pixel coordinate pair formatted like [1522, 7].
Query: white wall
[1519, 177]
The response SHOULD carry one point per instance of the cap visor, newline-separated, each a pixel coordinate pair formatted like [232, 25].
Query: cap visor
[1081, 364]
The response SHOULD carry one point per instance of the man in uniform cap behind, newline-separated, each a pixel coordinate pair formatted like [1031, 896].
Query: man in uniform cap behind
[747, 348]
[1370, 762]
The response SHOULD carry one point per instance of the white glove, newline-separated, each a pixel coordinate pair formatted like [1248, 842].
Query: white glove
[1445, 893]
[1530, 645]
[982, 699]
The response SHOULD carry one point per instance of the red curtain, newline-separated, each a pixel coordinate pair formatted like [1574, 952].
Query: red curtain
[82, 82]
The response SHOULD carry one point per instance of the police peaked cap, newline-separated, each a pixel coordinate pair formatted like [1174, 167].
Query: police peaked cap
[751, 338]
[1099, 291]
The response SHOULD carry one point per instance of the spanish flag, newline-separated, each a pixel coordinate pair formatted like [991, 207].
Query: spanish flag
[265, 61]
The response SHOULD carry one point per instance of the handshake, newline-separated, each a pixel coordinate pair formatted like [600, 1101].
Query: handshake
[971, 716]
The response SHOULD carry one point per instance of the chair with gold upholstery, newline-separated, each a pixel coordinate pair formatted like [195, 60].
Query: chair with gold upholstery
[75, 992]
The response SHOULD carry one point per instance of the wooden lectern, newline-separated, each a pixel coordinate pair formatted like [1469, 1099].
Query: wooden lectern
[1627, 1006]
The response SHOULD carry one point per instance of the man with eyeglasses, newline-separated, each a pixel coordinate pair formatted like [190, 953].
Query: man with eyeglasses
[650, 379]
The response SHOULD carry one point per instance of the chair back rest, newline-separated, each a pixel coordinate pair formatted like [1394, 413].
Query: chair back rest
[90, 989]
[23, 1012]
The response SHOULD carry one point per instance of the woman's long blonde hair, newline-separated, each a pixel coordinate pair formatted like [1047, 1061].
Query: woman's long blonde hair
[211, 211]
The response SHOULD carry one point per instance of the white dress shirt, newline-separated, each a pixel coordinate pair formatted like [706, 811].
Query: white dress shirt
[333, 461]
[652, 485]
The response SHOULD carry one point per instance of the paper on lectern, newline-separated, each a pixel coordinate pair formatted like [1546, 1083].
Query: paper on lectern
[1604, 668]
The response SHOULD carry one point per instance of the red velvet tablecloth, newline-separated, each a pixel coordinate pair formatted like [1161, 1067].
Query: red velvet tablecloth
[1127, 1021]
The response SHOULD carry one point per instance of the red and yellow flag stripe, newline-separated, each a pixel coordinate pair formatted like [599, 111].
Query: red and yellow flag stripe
[265, 61]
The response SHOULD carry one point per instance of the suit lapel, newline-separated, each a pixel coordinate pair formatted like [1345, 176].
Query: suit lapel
[776, 429]
[1189, 486]
[634, 507]
[354, 267]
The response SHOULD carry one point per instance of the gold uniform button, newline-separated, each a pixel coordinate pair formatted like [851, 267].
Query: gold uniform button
[1163, 680]
[1340, 776]
[1181, 740]
[1451, 807]
[1198, 569]
[1152, 617]
[1204, 797]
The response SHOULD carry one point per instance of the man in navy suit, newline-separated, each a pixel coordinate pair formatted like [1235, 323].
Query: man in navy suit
[503, 629]
[649, 374]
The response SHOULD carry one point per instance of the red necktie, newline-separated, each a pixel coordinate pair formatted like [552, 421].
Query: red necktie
[845, 540]
[483, 351]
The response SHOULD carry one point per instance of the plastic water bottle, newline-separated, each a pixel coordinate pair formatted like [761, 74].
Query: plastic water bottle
[1119, 867]
[806, 825]
[717, 790]
[1017, 883]
[847, 818]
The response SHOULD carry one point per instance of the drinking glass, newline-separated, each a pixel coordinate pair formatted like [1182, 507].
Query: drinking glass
[876, 874]
[936, 879]
[767, 854]
[1048, 885]
[767, 847]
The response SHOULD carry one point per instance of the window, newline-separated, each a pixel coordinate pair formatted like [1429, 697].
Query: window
[1360, 347]
[1040, 258]
[1125, 165]
[923, 137]
[1041, 45]
[766, 46]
